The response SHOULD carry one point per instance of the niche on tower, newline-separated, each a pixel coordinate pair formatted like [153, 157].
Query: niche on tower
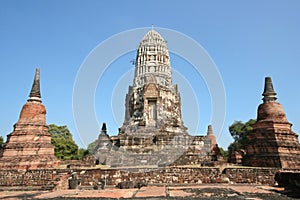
[152, 112]
[151, 97]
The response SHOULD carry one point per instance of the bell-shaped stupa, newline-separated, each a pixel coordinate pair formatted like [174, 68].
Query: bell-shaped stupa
[272, 142]
[29, 145]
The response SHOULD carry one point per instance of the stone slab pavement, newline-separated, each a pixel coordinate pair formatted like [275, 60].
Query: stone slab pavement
[210, 191]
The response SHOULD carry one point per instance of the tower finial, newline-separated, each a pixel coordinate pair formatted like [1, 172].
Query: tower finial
[103, 129]
[269, 93]
[209, 130]
[35, 93]
[152, 27]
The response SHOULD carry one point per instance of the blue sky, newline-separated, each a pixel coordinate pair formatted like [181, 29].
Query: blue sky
[247, 40]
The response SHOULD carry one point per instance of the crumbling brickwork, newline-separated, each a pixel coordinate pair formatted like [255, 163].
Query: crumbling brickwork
[43, 179]
[272, 142]
[153, 132]
[29, 145]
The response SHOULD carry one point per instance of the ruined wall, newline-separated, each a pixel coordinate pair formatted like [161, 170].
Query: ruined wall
[183, 175]
[58, 178]
[27, 180]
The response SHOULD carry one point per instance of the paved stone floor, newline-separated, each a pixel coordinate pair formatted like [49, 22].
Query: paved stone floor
[247, 192]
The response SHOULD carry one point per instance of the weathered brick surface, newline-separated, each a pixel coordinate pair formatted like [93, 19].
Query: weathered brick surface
[153, 132]
[29, 145]
[58, 178]
[40, 179]
[272, 142]
[251, 175]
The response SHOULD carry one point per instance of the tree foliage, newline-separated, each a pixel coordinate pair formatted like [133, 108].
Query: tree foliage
[91, 147]
[64, 146]
[239, 131]
[81, 153]
[224, 153]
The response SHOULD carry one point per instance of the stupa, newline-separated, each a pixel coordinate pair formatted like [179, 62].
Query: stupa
[272, 142]
[29, 145]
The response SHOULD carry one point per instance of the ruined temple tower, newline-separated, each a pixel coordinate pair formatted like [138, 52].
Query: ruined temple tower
[153, 102]
[272, 142]
[153, 132]
[29, 145]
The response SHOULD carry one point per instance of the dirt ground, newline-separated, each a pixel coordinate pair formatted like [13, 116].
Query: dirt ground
[253, 192]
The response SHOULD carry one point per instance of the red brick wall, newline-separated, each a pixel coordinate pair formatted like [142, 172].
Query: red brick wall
[171, 175]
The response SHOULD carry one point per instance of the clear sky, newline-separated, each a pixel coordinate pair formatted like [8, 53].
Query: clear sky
[247, 40]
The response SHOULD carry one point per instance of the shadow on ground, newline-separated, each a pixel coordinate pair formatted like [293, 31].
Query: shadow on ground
[21, 196]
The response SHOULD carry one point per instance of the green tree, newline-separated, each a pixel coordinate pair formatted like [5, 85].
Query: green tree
[92, 146]
[224, 153]
[239, 131]
[64, 146]
[81, 153]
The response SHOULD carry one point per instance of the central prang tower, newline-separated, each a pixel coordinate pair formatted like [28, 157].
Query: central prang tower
[153, 101]
[153, 133]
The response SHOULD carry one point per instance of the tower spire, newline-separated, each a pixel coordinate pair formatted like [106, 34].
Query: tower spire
[152, 59]
[269, 93]
[35, 93]
[103, 129]
[209, 130]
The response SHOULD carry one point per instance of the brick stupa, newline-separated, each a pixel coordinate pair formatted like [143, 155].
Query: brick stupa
[29, 145]
[272, 142]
